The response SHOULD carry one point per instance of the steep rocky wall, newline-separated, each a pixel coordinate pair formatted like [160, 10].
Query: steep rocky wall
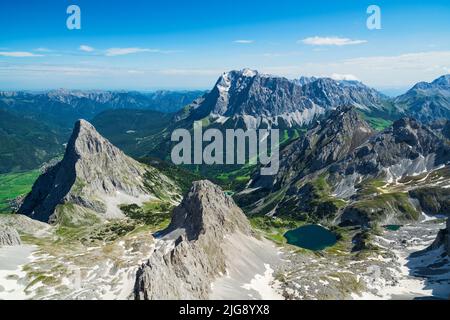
[9, 236]
[194, 250]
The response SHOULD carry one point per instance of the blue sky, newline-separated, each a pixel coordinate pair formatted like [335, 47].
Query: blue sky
[174, 44]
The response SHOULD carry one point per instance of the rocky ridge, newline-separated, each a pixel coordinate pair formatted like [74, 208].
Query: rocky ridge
[250, 99]
[329, 141]
[9, 236]
[427, 102]
[92, 179]
[192, 251]
[342, 169]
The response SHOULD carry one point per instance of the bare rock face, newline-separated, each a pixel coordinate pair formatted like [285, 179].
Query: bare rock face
[447, 241]
[329, 141]
[251, 99]
[193, 254]
[427, 102]
[9, 236]
[91, 180]
[207, 209]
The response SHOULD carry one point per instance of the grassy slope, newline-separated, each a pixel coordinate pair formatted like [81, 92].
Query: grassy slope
[25, 144]
[130, 130]
[13, 185]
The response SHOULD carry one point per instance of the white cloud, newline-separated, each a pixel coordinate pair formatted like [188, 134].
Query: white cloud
[86, 48]
[331, 41]
[132, 71]
[191, 72]
[42, 49]
[19, 54]
[281, 54]
[402, 70]
[124, 51]
[243, 41]
[340, 77]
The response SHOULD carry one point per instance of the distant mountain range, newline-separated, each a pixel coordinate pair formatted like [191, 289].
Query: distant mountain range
[242, 99]
[26, 143]
[34, 126]
[248, 99]
[64, 107]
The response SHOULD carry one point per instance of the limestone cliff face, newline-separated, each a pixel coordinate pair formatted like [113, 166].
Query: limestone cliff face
[447, 241]
[251, 99]
[193, 254]
[329, 141]
[91, 180]
[9, 236]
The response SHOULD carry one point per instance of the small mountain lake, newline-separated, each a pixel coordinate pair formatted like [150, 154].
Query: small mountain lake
[312, 237]
[392, 227]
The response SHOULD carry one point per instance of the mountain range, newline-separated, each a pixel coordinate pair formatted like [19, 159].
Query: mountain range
[152, 238]
[341, 170]
[63, 107]
[248, 98]
[37, 124]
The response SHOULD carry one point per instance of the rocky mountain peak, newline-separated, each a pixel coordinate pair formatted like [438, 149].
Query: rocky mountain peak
[305, 80]
[208, 236]
[205, 209]
[427, 101]
[86, 142]
[95, 177]
[330, 140]
[443, 81]
[410, 131]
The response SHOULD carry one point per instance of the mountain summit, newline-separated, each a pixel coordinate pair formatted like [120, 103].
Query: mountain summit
[427, 102]
[92, 179]
[209, 236]
[329, 141]
[252, 99]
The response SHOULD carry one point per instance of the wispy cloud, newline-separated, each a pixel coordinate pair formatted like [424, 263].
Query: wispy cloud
[42, 70]
[19, 54]
[86, 48]
[281, 54]
[124, 51]
[244, 41]
[402, 70]
[331, 41]
[340, 77]
[42, 49]
[191, 72]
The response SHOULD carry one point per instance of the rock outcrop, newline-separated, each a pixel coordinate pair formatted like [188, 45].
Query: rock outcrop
[9, 236]
[447, 242]
[195, 249]
[329, 141]
[92, 179]
[442, 240]
[407, 148]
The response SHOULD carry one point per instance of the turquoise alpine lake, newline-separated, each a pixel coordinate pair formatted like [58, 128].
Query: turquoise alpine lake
[392, 227]
[312, 237]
